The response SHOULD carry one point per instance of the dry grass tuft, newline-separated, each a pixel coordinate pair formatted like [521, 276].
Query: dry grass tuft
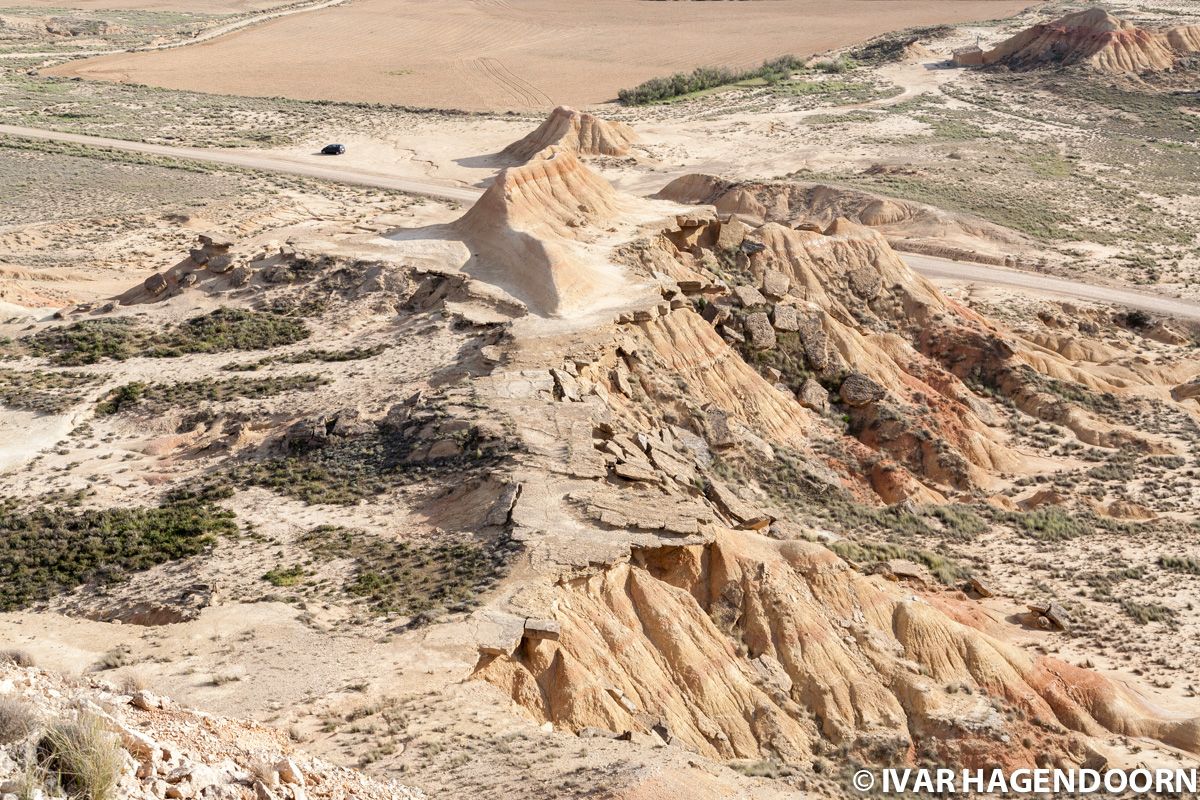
[85, 756]
[17, 719]
[18, 658]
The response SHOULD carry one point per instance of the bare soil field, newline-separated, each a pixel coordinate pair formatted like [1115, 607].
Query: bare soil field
[530, 54]
[192, 6]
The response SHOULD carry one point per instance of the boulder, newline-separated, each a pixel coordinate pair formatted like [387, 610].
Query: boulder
[156, 284]
[240, 276]
[444, 448]
[220, 264]
[748, 296]
[145, 700]
[743, 514]
[289, 772]
[759, 330]
[622, 700]
[858, 390]
[775, 284]
[1186, 391]
[732, 234]
[714, 314]
[215, 241]
[719, 432]
[568, 387]
[901, 570]
[501, 510]
[498, 633]
[815, 342]
[865, 282]
[635, 472]
[772, 673]
[813, 395]
[1050, 614]
[979, 587]
[785, 318]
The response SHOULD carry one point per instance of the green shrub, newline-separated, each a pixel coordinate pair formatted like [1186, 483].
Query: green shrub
[18, 658]
[892, 47]
[1185, 564]
[657, 90]
[836, 66]
[394, 576]
[1051, 524]
[86, 342]
[228, 329]
[223, 330]
[308, 356]
[959, 520]
[1145, 613]
[44, 392]
[285, 576]
[944, 569]
[119, 398]
[47, 550]
[117, 657]
[349, 470]
[157, 396]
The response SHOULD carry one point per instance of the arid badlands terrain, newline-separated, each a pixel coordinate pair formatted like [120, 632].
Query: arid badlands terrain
[762, 425]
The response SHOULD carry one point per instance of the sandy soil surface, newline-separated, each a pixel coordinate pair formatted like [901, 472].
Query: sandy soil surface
[513, 53]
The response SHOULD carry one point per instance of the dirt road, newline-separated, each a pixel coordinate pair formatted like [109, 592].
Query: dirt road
[1037, 283]
[936, 268]
[333, 172]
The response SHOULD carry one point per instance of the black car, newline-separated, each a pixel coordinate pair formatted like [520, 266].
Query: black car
[333, 149]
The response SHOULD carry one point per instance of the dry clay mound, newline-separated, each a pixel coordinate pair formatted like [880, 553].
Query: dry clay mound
[526, 234]
[575, 132]
[914, 227]
[749, 648]
[1097, 39]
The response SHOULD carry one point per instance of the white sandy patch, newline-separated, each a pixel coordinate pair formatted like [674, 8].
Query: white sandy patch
[24, 434]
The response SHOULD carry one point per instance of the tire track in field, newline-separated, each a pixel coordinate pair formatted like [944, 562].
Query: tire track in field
[531, 96]
[529, 86]
[485, 76]
[487, 66]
